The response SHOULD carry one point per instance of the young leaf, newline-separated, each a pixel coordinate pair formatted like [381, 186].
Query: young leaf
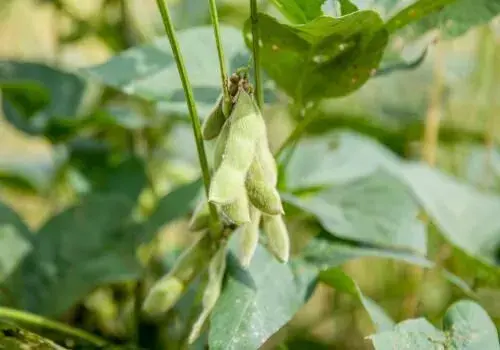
[376, 209]
[466, 326]
[327, 57]
[300, 11]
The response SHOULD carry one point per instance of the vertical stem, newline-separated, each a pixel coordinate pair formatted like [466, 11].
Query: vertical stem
[195, 121]
[220, 51]
[256, 53]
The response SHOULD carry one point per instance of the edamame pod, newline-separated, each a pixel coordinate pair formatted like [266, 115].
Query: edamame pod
[249, 237]
[201, 217]
[262, 194]
[170, 288]
[277, 234]
[267, 162]
[214, 121]
[237, 211]
[245, 128]
[212, 291]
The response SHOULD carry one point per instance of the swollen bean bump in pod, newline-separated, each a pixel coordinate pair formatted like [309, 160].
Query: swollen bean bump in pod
[214, 121]
[170, 288]
[245, 127]
[277, 234]
[237, 211]
[249, 237]
[201, 217]
[212, 291]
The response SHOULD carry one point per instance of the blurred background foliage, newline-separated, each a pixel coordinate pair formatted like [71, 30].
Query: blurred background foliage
[79, 145]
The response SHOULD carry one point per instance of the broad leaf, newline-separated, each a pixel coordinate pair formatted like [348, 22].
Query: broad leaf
[467, 218]
[327, 57]
[324, 253]
[300, 11]
[10, 217]
[39, 99]
[376, 209]
[336, 158]
[254, 304]
[173, 205]
[339, 280]
[466, 326]
[128, 178]
[13, 248]
[149, 71]
[74, 252]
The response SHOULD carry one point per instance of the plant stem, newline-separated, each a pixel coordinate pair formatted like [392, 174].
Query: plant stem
[256, 53]
[298, 131]
[220, 51]
[39, 321]
[188, 91]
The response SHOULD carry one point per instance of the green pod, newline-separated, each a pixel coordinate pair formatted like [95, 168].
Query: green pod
[238, 211]
[245, 128]
[201, 217]
[249, 238]
[220, 146]
[216, 270]
[163, 295]
[214, 121]
[267, 162]
[262, 194]
[277, 234]
[170, 288]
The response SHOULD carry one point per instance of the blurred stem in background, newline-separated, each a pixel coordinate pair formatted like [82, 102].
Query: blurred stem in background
[220, 51]
[256, 53]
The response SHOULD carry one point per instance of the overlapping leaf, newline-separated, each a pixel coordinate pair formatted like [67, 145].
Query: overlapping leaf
[300, 11]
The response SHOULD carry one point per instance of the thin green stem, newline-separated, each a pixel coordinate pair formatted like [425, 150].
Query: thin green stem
[188, 91]
[256, 53]
[220, 51]
[38, 321]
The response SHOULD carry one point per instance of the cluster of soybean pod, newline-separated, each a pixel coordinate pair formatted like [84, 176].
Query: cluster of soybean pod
[243, 188]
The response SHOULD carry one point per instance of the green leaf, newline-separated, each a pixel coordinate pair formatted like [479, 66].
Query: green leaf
[469, 327]
[466, 326]
[327, 57]
[36, 97]
[456, 18]
[376, 209]
[128, 178]
[74, 252]
[414, 12]
[466, 217]
[300, 11]
[254, 304]
[339, 280]
[11, 218]
[325, 252]
[149, 71]
[174, 205]
[328, 160]
[13, 248]
[347, 7]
